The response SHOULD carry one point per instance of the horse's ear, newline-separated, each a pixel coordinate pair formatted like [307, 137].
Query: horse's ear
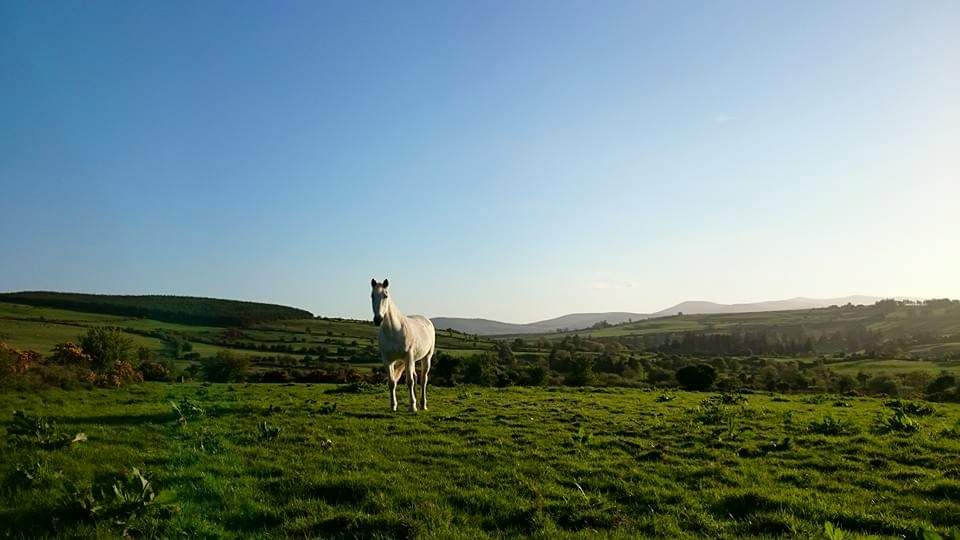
[373, 282]
[386, 283]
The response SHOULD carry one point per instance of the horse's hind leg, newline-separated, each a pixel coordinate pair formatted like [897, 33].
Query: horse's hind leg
[423, 379]
[395, 370]
[412, 382]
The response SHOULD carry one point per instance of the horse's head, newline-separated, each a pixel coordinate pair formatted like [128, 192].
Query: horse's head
[381, 299]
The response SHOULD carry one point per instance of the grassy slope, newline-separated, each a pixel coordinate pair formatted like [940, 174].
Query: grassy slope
[853, 367]
[170, 308]
[905, 320]
[486, 462]
[40, 328]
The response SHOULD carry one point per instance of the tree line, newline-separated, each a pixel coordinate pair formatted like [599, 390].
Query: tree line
[175, 309]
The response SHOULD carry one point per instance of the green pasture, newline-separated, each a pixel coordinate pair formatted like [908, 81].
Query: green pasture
[316, 461]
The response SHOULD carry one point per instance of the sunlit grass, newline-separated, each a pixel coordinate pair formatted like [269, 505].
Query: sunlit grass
[304, 460]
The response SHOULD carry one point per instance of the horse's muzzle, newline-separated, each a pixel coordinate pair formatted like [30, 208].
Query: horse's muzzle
[377, 320]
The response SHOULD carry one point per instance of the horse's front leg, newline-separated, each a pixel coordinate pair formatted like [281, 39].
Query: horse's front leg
[412, 382]
[394, 371]
[392, 385]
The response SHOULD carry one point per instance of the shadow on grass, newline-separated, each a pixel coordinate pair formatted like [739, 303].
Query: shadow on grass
[362, 527]
[371, 416]
[165, 417]
[350, 492]
[119, 419]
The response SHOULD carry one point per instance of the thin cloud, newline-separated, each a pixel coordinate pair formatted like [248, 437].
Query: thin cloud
[612, 285]
[723, 118]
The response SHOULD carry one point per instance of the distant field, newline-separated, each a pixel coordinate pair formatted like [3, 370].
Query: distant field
[170, 308]
[919, 331]
[503, 463]
[894, 366]
[41, 328]
[42, 336]
[940, 321]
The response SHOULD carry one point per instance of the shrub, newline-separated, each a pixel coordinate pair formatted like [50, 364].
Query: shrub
[25, 429]
[698, 377]
[105, 346]
[943, 382]
[70, 366]
[828, 425]
[155, 371]
[70, 354]
[712, 412]
[226, 366]
[120, 374]
[145, 354]
[117, 498]
[899, 422]
[884, 385]
[14, 363]
[916, 408]
[186, 409]
[831, 532]
[581, 371]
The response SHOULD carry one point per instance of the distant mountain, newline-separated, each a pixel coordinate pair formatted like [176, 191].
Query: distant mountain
[578, 321]
[700, 307]
[573, 321]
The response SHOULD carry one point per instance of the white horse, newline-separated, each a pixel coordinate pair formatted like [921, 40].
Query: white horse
[404, 341]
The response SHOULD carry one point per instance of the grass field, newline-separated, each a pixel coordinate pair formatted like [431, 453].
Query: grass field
[41, 328]
[853, 367]
[933, 330]
[485, 462]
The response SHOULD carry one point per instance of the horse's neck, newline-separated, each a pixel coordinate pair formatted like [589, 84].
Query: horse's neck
[393, 321]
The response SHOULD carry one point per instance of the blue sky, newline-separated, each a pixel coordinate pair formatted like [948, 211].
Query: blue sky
[512, 160]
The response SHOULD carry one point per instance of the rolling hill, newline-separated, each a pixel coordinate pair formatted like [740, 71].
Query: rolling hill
[175, 309]
[579, 321]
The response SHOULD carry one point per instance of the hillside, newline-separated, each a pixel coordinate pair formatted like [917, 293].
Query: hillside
[573, 321]
[930, 329]
[695, 307]
[281, 344]
[580, 321]
[175, 309]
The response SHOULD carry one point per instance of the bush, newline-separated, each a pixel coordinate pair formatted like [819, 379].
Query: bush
[27, 370]
[156, 371]
[581, 371]
[828, 425]
[25, 429]
[106, 346]
[943, 382]
[884, 385]
[916, 408]
[14, 362]
[699, 377]
[899, 422]
[226, 366]
[119, 375]
[186, 409]
[70, 354]
[117, 498]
